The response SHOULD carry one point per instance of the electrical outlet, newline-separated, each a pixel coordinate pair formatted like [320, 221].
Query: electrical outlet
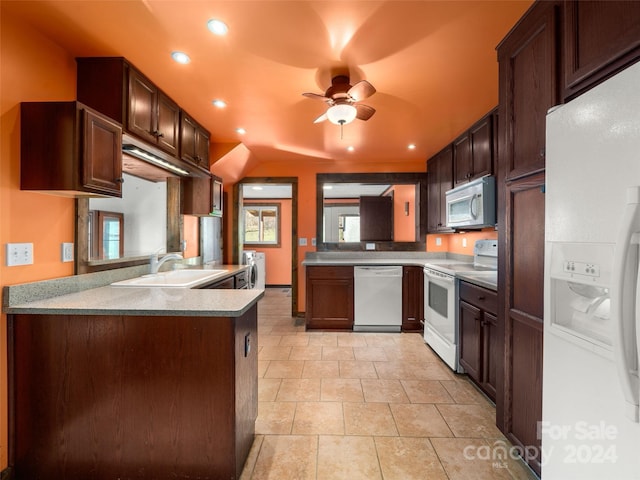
[67, 252]
[19, 254]
[370, 246]
[302, 241]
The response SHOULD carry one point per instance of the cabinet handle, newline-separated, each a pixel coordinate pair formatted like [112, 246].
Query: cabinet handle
[158, 133]
[481, 297]
[119, 180]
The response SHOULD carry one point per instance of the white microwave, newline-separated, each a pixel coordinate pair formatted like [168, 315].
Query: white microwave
[472, 205]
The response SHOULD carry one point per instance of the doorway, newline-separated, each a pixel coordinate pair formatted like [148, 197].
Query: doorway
[270, 198]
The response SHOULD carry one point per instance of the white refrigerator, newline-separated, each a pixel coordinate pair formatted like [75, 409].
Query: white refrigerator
[591, 391]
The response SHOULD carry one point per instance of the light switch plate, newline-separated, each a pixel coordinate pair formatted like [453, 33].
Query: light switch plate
[67, 252]
[464, 242]
[19, 254]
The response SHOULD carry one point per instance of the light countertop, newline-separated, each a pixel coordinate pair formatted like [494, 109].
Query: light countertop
[66, 296]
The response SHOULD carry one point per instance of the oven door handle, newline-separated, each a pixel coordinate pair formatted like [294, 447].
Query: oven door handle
[449, 280]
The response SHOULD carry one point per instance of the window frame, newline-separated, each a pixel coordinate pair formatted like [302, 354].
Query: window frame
[263, 206]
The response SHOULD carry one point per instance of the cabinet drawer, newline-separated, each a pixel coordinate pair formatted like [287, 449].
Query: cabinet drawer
[329, 272]
[482, 298]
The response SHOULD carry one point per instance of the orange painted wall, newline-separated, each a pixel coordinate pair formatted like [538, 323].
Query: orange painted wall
[191, 234]
[278, 259]
[404, 226]
[31, 69]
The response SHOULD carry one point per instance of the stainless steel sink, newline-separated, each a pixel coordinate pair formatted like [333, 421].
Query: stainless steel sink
[173, 278]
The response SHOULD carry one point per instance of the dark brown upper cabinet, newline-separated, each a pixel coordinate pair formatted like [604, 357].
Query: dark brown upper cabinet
[195, 141]
[202, 196]
[376, 219]
[439, 180]
[69, 149]
[529, 79]
[601, 38]
[473, 152]
[117, 89]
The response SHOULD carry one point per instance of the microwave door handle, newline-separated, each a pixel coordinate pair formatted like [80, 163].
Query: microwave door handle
[474, 201]
[623, 298]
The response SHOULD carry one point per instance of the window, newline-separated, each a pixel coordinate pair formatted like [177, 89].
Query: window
[105, 234]
[262, 224]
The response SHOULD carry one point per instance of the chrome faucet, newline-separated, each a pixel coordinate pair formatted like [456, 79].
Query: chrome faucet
[156, 264]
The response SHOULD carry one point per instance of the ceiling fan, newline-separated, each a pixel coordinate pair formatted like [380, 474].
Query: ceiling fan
[342, 99]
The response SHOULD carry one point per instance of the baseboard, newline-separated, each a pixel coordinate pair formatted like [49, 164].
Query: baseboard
[275, 285]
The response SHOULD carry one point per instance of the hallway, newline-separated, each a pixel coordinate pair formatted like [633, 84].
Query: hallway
[366, 406]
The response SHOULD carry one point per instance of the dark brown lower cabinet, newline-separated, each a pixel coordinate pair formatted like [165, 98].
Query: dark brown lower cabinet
[412, 298]
[329, 297]
[144, 397]
[479, 340]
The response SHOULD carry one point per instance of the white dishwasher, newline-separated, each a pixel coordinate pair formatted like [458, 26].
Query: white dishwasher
[378, 299]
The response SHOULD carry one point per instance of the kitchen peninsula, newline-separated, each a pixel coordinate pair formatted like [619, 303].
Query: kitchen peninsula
[140, 382]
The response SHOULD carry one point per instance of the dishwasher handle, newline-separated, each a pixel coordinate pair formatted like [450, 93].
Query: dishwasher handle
[378, 271]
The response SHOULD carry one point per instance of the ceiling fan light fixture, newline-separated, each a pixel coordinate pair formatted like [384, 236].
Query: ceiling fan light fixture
[341, 114]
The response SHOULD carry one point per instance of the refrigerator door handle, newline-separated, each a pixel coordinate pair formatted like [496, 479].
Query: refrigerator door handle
[623, 303]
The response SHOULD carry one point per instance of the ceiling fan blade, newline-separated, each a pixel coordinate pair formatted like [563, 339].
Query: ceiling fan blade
[361, 90]
[321, 118]
[364, 112]
[316, 96]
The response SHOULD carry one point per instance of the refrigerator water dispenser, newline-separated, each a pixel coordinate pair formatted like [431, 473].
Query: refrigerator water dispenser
[579, 283]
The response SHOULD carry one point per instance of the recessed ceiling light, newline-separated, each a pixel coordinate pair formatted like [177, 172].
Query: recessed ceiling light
[412, 146]
[241, 131]
[180, 57]
[219, 103]
[351, 148]
[217, 27]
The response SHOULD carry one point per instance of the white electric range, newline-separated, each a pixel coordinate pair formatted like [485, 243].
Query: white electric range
[441, 297]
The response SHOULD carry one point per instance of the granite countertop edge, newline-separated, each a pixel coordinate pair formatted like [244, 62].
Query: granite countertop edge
[479, 281]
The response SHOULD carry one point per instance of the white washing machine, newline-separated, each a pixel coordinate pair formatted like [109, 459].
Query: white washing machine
[249, 258]
[256, 261]
[261, 273]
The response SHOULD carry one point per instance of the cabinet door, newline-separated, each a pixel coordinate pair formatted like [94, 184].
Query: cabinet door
[188, 141]
[528, 87]
[601, 37]
[168, 124]
[521, 306]
[329, 298]
[439, 180]
[481, 139]
[462, 167]
[143, 99]
[102, 154]
[412, 298]
[491, 349]
[471, 340]
[202, 148]
[217, 197]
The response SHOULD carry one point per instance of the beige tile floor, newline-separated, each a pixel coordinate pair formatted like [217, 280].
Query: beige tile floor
[367, 406]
